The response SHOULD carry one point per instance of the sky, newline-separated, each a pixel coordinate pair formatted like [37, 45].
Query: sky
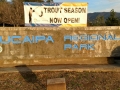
[97, 5]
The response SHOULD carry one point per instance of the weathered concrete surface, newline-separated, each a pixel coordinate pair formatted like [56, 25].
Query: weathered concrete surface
[54, 53]
[65, 61]
[77, 68]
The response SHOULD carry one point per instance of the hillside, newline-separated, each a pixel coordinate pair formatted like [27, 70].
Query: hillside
[92, 16]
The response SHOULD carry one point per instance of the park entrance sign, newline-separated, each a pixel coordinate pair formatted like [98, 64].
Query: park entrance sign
[58, 45]
[55, 14]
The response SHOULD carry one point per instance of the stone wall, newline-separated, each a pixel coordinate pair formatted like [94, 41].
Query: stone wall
[48, 45]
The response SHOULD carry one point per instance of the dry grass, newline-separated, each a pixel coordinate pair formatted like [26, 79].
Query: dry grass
[74, 80]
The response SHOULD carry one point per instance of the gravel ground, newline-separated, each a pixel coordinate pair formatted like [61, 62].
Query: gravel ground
[74, 80]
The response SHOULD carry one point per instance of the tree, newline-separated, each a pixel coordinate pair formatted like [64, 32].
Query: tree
[32, 0]
[2, 0]
[4, 12]
[17, 12]
[13, 13]
[0, 13]
[99, 21]
[112, 20]
[10, 13]
[49, 1]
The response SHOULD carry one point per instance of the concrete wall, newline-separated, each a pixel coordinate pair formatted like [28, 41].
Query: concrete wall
[53, 52]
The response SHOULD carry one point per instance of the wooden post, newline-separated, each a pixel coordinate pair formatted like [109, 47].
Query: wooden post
[56, 84]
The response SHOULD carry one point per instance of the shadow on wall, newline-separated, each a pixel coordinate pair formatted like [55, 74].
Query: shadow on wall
[30, 77]
[115, 55]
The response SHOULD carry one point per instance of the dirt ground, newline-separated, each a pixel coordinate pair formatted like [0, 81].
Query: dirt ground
[74, 80]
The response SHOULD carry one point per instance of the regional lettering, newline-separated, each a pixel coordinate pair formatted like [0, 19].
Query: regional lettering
[92, 37]
[75, 10]
[53, 9]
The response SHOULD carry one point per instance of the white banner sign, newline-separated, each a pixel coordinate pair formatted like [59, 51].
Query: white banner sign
[55, 14]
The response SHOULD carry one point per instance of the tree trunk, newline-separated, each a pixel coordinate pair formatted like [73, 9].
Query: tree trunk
[3, 25]
[17, 25]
